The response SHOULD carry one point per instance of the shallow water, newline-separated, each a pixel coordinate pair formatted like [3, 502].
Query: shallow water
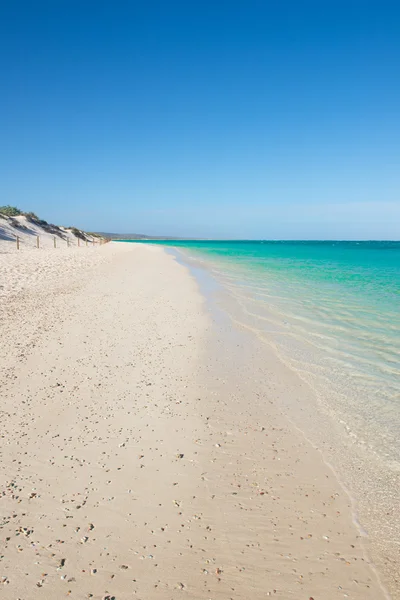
[333, 311]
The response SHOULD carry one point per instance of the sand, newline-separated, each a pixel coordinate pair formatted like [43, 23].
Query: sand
[135, 464]
[36, 235]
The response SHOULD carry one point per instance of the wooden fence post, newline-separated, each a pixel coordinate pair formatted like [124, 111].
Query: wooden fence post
[55, 243]
[37, 242]
[17, 242]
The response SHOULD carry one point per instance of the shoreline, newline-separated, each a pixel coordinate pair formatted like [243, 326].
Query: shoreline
[153, 462]
[372, 499]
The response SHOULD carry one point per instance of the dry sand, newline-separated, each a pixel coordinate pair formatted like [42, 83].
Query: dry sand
[33, 233]
[131, 467]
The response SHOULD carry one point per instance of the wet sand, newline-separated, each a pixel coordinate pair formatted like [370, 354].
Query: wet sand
[135, 464]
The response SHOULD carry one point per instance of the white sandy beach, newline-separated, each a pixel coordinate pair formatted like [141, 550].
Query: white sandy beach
[131, 467]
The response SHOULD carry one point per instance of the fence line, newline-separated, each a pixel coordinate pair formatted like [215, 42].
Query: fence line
[101, 241]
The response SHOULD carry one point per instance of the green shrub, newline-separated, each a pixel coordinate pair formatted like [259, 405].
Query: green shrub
[10, 211]
[31, 216]
[77, 233]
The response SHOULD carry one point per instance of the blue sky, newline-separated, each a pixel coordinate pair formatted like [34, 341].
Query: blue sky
[212, 119]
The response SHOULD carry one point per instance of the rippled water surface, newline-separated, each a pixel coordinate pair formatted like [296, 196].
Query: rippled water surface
[333, 311]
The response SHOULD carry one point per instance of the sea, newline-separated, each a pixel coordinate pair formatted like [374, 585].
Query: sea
[331, 311]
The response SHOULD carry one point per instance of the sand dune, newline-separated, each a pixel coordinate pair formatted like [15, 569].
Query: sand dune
[29, 230]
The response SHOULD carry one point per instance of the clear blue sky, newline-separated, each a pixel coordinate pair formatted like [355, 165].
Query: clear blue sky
[234, 119]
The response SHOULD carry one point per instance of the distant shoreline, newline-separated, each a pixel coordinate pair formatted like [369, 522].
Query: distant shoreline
[115, 238]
